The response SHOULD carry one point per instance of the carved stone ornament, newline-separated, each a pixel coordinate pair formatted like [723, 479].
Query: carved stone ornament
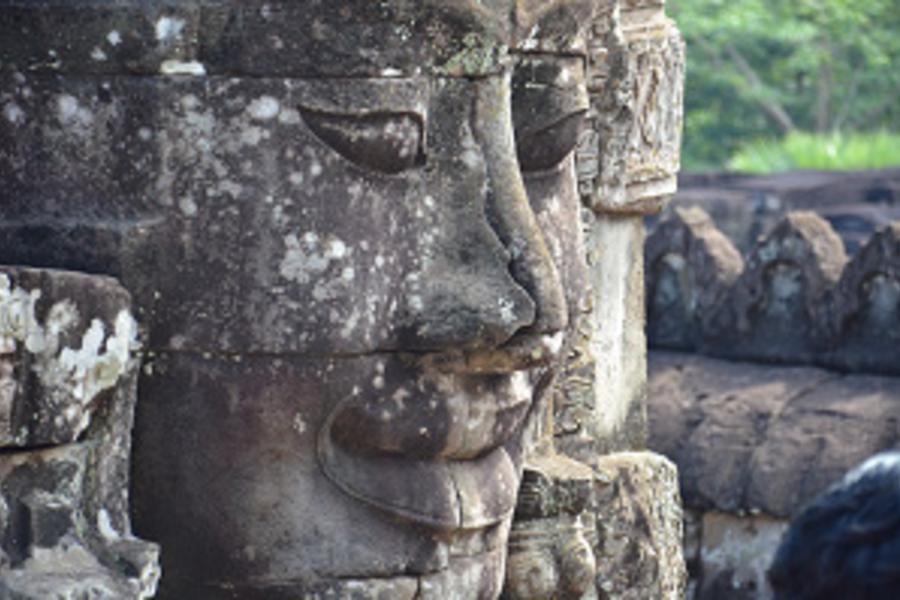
[630, 156]
[690, 266]
[778, 309]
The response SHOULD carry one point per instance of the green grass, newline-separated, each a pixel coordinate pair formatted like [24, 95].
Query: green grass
[819, 152]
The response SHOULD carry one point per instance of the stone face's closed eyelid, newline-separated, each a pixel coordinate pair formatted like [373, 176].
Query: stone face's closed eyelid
[378, 124]
[549, 104]
[387, 141]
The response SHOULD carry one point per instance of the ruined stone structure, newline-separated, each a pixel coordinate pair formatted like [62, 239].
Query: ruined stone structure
[377, 280]
[68, 370]
[811, 387]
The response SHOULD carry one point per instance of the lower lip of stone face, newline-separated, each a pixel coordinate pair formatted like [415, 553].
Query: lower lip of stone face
[447, 458]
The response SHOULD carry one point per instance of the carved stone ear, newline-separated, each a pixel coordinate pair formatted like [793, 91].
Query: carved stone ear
[387, 142]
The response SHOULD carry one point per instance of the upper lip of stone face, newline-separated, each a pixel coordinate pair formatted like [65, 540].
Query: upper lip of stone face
[521, 352]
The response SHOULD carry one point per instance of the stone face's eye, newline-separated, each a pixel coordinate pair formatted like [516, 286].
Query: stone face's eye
[549, 102]
[383, 141]
[544, 148]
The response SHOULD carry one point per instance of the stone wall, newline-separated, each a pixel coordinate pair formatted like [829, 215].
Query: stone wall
[809, 387]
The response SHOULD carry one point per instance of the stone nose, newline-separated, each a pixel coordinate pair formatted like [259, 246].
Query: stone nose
[509, 210]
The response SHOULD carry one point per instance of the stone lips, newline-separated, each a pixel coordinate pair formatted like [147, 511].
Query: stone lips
[450, 451]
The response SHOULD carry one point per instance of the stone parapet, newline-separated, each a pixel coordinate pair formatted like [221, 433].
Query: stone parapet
[795, 299]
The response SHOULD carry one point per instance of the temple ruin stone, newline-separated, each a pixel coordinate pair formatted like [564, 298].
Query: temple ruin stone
[68, 367]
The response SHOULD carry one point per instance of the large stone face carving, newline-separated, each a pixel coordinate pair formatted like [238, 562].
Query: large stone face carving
[348, 229]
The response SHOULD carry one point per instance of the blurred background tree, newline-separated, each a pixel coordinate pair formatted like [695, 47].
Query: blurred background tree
[809, 74]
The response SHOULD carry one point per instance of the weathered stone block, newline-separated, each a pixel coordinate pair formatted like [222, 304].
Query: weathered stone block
[631, 154]
[65, 341]
[68, 345]
[756, 438]
[550, 543]
[639, 528]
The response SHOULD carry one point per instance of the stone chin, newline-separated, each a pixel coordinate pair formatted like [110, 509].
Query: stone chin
[443, 452]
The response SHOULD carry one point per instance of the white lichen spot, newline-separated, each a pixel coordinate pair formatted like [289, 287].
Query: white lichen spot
[306, 258]
[188, 206]
[471, 158]
[289, 116]
[105, 526]
[264, 108]
[145, 134]
[250, 136]
[378, 382]
[379, 261]
[168, 28]
[553, 343]
[114, 38]
[507, 310]
[391, 72]
[98, 54]
[181, 67]
[69, 112]
[348, 274]
[13, 113]
[335, 249]
[298, 424]
[315, 169]
[296, 178]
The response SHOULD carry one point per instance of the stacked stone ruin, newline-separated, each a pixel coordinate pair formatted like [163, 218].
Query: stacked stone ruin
[771, 374]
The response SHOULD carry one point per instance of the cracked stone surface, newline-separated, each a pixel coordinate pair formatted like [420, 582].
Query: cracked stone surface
[760, 438]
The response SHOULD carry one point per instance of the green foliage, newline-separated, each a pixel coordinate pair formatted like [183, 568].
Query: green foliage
[762, 69]
[835, 152]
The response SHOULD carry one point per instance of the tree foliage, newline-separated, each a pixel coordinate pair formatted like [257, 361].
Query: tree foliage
[767, 68]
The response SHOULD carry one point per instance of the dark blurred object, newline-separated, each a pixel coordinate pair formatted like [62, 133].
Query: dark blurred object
[846, 544]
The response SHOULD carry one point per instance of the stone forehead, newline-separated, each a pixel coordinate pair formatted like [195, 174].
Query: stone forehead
[299, 38]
